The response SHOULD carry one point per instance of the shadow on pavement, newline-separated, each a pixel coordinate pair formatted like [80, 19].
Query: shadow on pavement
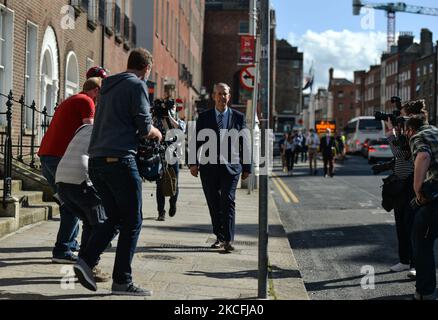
[33, 296]
[326, 284]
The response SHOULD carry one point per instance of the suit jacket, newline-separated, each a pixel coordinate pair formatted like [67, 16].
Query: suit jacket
[327, 149]
[237, 121]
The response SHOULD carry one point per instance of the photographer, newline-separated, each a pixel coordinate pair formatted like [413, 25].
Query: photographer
[166, 118]
[424, 145]
[403, 167]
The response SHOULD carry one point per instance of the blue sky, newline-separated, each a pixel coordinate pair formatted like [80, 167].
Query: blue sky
[329, 34]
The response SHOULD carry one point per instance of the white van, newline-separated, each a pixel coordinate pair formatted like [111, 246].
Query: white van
[360, 129]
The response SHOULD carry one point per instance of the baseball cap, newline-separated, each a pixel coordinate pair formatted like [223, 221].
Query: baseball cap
[97, 72]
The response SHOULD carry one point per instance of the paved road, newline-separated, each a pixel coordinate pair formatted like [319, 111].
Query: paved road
[336, 227]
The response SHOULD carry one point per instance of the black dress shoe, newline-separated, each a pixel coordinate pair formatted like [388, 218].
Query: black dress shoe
[161, 216]
[217, 245]
[172, 211]
[228, 247]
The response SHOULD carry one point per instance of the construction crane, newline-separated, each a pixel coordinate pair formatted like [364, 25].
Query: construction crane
[391, 9]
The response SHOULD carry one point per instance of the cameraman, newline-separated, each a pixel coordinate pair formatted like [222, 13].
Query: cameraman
[172, 127]
[424, 144]
[403, 169]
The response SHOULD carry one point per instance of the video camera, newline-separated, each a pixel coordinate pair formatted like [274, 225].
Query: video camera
[395, 117]
[162, 107]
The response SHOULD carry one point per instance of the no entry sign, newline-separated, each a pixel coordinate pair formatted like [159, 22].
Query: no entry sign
[247, 77]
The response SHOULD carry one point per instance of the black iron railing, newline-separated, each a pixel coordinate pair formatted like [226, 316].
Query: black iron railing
[25, 150]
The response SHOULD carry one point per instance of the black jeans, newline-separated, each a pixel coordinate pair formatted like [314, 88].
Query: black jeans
[404, 220]
[424, 234]
[120, 186]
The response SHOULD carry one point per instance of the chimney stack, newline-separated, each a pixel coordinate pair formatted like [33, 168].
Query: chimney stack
[426, 42]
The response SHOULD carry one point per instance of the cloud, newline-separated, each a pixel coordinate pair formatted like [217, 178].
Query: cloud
[345, 51]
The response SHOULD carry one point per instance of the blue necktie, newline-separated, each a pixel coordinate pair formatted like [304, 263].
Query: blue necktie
[220, 121]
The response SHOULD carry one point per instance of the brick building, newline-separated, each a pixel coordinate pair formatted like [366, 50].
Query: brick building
[47, 47]
[173, 32]
[289, 83]
[359, 82]
[225, 23]
[343, 93]
[372, 91]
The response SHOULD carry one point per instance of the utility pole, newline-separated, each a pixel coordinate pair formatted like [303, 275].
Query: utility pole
[264, 179]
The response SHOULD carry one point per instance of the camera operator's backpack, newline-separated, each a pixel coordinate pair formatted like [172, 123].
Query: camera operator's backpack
[149, 161]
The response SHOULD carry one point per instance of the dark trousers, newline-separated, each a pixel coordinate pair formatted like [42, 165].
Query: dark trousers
[424, 234]
[73, 197]
[404, 220]
[220, 191]
[120, 186]
[329, 165]
[69, 225]
[161, 200]
[290, 160]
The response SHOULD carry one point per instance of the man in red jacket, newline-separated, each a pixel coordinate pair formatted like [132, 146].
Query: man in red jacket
[69, 116]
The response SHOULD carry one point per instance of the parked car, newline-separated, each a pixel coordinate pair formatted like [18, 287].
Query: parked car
[379, 150]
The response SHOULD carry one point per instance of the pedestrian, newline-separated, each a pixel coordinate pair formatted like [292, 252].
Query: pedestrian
[123, 117]
[220, 176]
[327, 148]
[283, 152]
[290, 146]
[403, 213]
[304, 148]
[170, 124]
[77, 192]
[424, 145]
[69, 116]
[313, 145]
[298, 140]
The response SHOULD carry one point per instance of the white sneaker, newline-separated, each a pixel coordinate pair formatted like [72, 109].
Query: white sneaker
[412, 274]
[399, 267]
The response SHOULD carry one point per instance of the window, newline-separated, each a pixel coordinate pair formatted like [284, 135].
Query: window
[102, 10]
[117, 18]
[244, 27]
[109, 21]
[167, 24]
[30, 78]
[92, 11]
[162, 21]
[340, 107]
[296, 64]
[370, 125]
[127, 22]
[71, 75]
[340, 94]
[431, 68]
[157, 15]
[6, 31]
[418, 72]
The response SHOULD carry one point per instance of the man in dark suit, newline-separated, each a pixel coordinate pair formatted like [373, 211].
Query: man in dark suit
[220, 171]
[327, 148]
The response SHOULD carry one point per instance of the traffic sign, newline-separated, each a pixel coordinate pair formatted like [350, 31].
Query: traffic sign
[247, 77]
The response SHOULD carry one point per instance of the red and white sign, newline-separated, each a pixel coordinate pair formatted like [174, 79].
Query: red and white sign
[247, 77]
[247, 49]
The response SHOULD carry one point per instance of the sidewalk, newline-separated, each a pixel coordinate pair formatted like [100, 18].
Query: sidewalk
[173, 258]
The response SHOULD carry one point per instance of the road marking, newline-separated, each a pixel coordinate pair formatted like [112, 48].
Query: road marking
[283, 194]
[288, 191]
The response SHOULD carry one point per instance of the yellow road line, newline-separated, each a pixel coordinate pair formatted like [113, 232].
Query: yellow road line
[289, 192]
[282, 192]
